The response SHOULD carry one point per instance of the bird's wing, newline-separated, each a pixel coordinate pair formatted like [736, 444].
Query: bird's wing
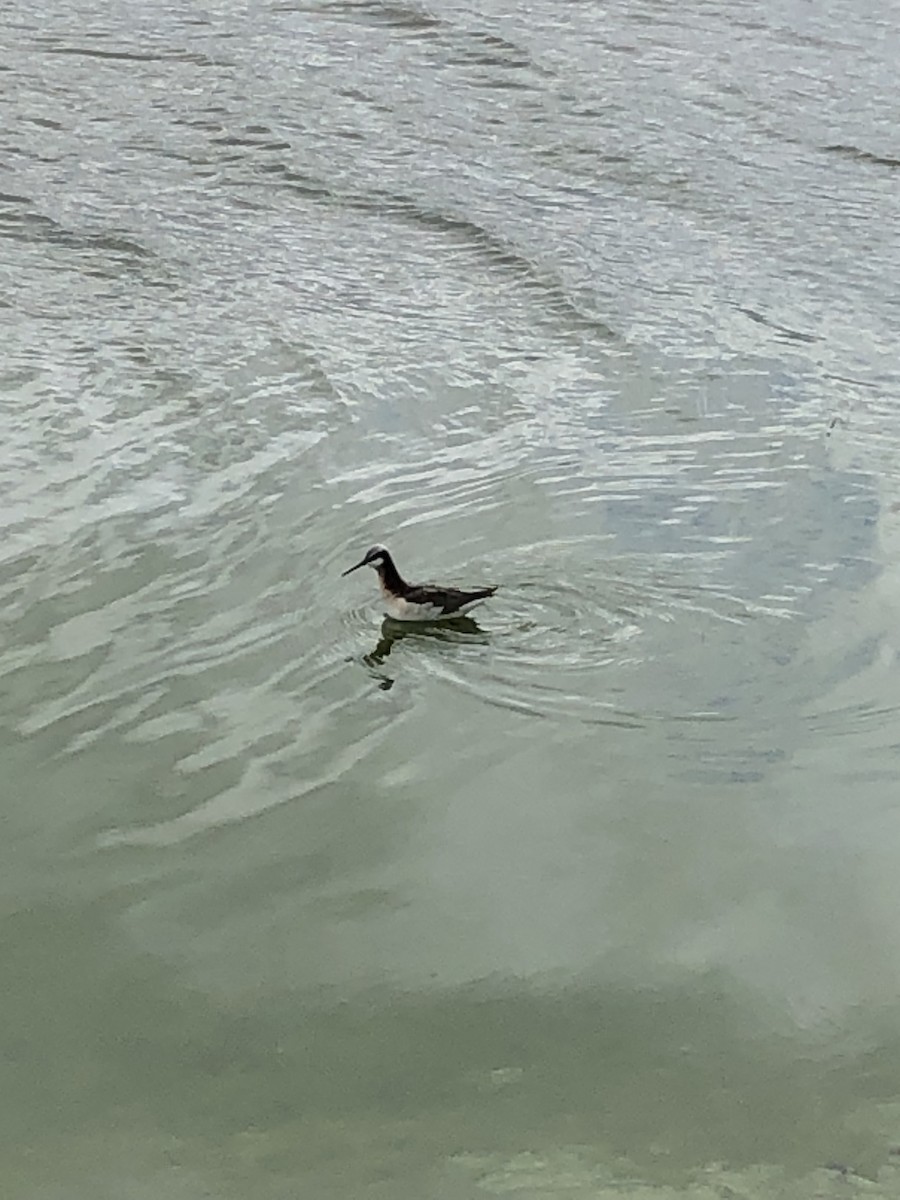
[448, 599]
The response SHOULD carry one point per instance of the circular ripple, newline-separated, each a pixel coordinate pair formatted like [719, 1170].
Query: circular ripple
[574, 632]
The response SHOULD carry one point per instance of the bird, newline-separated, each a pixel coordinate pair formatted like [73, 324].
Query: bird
[417, 601]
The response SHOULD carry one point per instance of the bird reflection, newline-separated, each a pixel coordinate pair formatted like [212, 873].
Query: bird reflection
[458, 629]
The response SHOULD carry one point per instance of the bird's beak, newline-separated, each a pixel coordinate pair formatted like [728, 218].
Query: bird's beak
[356, 568]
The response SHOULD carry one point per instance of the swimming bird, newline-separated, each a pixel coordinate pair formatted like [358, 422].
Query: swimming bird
[417, 601]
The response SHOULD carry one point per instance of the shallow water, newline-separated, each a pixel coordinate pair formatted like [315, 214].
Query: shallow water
[598, 891]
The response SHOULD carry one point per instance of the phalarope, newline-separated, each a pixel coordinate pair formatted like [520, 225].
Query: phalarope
[417, 601]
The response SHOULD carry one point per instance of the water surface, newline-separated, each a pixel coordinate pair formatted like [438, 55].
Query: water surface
[601, 893]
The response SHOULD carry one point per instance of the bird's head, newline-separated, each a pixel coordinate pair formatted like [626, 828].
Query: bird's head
[374, 557]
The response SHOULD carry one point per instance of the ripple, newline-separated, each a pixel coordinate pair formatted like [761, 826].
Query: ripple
[573, 633]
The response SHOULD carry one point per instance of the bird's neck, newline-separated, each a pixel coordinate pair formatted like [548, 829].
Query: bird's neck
[391, 579]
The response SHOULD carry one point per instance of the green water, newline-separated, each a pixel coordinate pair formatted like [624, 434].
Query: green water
[597, 896]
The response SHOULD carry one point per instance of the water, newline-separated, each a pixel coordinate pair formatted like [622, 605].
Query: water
[598, 894]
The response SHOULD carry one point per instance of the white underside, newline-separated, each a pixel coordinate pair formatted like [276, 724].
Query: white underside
[401, 610]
